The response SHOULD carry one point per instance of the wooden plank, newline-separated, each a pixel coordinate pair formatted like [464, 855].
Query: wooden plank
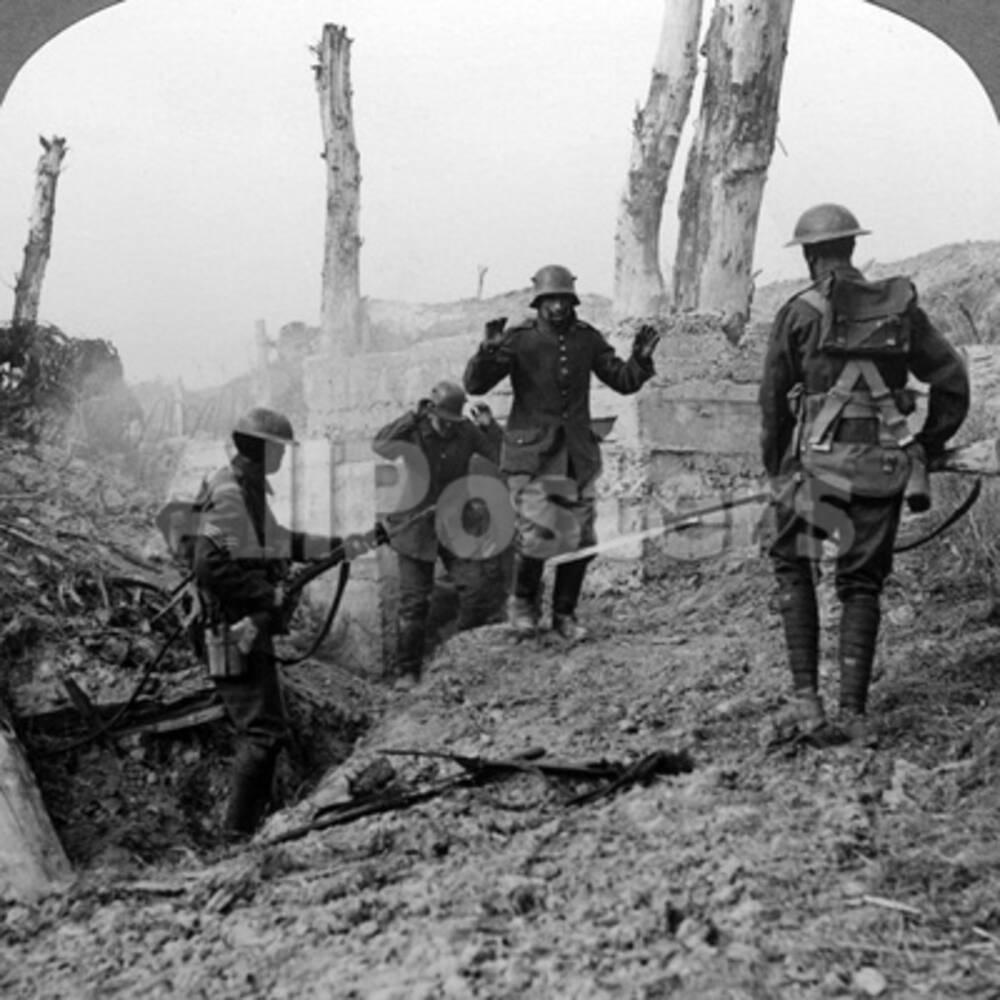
[32, 860]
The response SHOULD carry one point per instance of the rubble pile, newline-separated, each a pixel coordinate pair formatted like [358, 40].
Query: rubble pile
[122, 729]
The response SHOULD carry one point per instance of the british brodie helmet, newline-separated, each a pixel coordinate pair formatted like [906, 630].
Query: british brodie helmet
[268, 425]
[553, 279]
[823, 223]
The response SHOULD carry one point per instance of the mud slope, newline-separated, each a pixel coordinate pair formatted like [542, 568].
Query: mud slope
[793, 872]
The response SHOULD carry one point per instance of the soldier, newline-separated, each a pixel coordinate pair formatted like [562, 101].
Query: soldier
[240, 557]
[550, 454]
[437, 445]
[838, 451]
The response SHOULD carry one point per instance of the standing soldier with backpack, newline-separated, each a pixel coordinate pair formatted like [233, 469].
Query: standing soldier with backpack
[241, 555]
[839, 452]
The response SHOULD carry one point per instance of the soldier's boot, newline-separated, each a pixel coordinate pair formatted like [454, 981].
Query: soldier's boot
[526, 599]
[859, 623]
[410, 640]
[565, 596]
[800, 619]
[250, 789]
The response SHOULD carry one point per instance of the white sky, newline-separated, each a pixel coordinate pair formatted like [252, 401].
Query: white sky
[494, 132]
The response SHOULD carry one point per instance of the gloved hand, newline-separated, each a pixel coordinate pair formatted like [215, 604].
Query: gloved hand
[645, 342]
[243, 633]
[354, 546]
[381, 534]
[493, 333]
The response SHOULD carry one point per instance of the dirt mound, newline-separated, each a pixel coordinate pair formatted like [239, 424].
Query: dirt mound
[793, 872]
[958, 284]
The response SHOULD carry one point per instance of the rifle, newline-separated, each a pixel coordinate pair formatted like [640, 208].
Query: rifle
[358, 545]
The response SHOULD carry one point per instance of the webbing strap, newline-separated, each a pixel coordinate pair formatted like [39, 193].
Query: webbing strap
[842, 392]
[893, 421]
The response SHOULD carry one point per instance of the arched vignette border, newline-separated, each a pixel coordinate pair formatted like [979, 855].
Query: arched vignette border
[970, 27]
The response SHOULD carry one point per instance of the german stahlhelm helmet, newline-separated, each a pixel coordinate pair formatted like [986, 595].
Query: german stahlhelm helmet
[448, 399]
[553, 279]
[269, 425]
[823, 223]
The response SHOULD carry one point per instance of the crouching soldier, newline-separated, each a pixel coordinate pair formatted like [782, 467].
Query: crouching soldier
[240, 557]
[431, 520]
[838, 451]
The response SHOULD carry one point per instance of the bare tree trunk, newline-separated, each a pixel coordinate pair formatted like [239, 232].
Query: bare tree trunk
[262, 366]
[28, 289]
[639, 289]
[340, 321]
[726, 169]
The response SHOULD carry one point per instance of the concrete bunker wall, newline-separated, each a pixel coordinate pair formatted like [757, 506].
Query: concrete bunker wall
[687, 439]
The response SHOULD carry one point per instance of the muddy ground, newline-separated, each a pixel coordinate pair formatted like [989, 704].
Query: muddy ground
[763, 872]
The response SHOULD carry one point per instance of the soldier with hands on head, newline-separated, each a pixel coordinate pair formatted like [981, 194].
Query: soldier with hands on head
[839, 452]
[438, 448]
[241, 556]
[551, 455]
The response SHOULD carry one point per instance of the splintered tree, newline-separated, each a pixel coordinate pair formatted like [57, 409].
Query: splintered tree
[340, 320]
[745, 47]
[640, 289]
[28, 289]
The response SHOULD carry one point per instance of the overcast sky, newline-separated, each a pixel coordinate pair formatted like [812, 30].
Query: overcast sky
[495, 132]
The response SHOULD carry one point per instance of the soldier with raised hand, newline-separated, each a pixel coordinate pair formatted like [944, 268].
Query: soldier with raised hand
[550, 453]
[437, 446]
[241, 555]
[838, 451]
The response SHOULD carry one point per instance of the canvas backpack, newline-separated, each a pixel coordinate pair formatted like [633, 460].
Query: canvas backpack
[861, 322]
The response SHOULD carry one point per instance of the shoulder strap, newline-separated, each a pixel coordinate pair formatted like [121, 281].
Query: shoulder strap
[842, 392]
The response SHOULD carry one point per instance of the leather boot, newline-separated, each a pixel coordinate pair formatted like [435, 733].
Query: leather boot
[565, 595]
[859, 622]
[250, 789]
[410, 649]
[524, 605]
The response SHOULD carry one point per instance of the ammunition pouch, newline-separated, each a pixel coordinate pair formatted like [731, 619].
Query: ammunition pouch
[917, 493]
[225, 659]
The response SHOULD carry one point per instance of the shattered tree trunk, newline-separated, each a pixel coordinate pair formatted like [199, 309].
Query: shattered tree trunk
[340, 320]
[727, 166]
[28, 290]
[639, 289]
[32, 860]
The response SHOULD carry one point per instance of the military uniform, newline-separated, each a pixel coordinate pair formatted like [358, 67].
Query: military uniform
[805, 396]
[241, 555]
[551, 455]
[432, 464]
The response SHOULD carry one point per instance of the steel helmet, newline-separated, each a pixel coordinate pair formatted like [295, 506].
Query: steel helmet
[269, 425]
[448, 399]
[553, 279]
[825, 222]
